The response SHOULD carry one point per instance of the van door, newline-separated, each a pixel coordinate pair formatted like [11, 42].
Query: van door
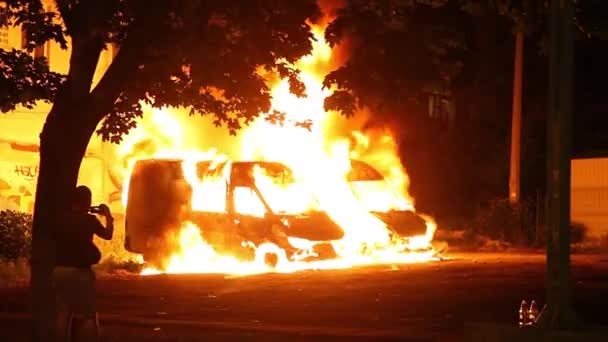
[158, 194]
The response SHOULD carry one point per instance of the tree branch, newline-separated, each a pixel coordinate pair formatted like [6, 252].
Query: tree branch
[83, 62]
[126, 63]
[65, 9]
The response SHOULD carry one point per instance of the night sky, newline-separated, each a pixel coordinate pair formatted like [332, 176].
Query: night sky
[590, 111]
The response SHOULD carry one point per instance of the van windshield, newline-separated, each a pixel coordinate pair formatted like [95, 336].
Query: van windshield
[283, 193]
[275, 182]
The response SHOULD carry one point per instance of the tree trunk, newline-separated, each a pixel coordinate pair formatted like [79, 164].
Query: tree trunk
[63, 142]
[559, 313]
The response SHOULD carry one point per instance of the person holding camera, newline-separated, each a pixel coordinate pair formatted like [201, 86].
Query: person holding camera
[73, 278]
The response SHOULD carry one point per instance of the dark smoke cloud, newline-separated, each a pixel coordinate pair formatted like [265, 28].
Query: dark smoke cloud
[329, 7]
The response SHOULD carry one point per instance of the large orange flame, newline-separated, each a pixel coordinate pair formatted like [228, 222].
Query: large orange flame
[320, 161]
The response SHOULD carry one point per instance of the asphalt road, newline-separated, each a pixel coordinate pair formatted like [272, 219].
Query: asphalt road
[439, 300]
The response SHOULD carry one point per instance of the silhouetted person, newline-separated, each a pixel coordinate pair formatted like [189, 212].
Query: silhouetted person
[73, 278]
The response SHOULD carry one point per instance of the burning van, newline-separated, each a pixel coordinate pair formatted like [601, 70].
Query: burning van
[237, 204]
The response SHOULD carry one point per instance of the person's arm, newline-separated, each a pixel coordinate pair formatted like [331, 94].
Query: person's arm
[107, 232]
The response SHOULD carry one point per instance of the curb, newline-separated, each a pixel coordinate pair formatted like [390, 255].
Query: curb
[250, 326]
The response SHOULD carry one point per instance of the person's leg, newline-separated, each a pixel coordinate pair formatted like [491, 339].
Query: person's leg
[64, 322]
[63, 315]
[63, 325]
[87, 328]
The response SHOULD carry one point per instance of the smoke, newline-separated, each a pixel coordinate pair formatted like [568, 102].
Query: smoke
[329, 7]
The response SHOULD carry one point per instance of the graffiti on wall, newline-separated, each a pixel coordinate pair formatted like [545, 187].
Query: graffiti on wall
[27, 172]
[17, 186]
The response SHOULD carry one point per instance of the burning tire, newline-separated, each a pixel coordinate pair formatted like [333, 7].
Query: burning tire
[271, 259]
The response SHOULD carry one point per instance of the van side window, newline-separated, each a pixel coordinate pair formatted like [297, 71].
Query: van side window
[247, 202]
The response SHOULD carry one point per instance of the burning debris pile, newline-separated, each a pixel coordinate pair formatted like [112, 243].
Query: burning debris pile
[277, 197]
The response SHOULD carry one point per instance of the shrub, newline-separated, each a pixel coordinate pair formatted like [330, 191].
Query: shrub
[14, 273]
[577, 232]
[604, 243]
[502, 221]
[15, 235]
[515, 224]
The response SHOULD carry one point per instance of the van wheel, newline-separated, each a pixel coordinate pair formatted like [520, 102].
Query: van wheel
[271, 259]
[325, 251]
[127, 244]
[153, 258]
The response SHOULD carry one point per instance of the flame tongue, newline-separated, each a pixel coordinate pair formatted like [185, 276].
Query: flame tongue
[321, 165]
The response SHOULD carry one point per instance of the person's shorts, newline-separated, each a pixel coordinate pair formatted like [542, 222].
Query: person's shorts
[75, 290]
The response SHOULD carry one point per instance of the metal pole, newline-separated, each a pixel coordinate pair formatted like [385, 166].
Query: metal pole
[515, 168]
[559, 313]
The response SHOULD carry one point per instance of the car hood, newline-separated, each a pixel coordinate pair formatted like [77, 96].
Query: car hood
[315, 226]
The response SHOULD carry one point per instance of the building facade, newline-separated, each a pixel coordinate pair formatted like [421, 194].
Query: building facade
[20, 130]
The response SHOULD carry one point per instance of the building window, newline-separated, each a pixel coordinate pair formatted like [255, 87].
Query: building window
[4, 38]
[23, 39]
[47, 52]
[39, 51]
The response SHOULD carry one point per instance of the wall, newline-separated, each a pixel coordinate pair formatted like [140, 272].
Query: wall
[589, 191]
[19, 164]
